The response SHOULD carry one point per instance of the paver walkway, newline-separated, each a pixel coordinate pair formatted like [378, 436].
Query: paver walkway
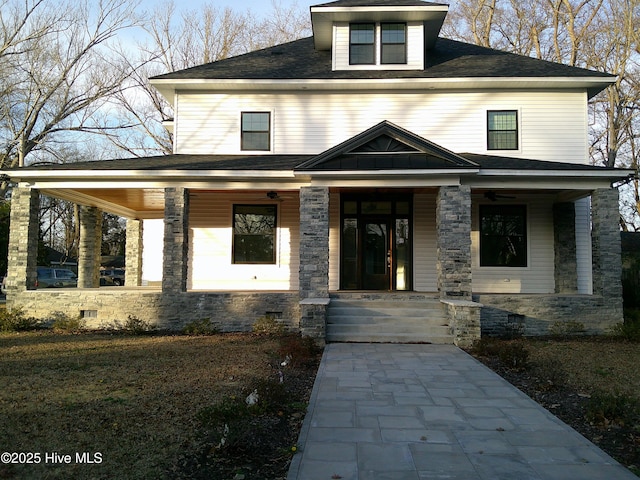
[409, 412]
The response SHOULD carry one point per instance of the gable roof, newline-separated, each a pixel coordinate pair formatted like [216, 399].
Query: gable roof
[386, 146]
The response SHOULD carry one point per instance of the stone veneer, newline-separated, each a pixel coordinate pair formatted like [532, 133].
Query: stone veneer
[453, 224]
[176, 242]
[314, 261]
[23, 240]
[90, 247]
[232, 311]
[133, 253]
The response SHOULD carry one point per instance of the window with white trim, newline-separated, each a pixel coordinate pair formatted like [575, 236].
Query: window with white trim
[502, 130]
[256, 131]
[377, 43]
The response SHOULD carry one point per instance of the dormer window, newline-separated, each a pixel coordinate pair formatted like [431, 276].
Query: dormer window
[377, 43]
[362, 44]
[393, 43]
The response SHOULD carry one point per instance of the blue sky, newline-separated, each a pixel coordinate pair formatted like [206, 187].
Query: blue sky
[259, 7]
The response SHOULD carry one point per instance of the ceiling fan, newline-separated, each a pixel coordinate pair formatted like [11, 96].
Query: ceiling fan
[493, 196]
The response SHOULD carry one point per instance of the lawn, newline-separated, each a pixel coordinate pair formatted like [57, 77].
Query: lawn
[133, 405]
[591, 383]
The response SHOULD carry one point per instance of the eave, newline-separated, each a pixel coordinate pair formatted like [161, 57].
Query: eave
[324, 17]
[593, 85]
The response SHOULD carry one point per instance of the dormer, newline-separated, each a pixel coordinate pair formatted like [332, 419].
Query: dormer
[377, 34]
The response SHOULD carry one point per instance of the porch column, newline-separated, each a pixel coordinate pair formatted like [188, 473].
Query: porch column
[90, 248]
[453, 224]
[314, 260]
[564, 233]
[606, 249]
[23, 240]
[176, 231]
[133, 253]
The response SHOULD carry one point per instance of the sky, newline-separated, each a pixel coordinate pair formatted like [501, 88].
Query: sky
[259, 7]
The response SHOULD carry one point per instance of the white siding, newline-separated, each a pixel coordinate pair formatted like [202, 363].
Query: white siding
[553, 125]
[152, 251]
[538, 276]
[425, 277]
[210, 244]
[415, 49]
[583, 246]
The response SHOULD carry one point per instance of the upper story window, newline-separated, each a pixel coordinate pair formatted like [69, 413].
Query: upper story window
[256, 131]
[393, 43]
[362, 44]
[502, 130]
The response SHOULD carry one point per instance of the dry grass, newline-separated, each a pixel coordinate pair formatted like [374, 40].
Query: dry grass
[593, 364]
[132, 399]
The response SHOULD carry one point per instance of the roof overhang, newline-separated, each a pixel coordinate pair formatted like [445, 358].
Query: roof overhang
[593, 85]
[323, 18]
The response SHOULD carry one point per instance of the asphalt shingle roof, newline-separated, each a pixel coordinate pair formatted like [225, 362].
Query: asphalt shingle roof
[182, 162]
[449, 59]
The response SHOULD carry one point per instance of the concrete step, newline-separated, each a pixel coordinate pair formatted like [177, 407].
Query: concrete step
[387, 320]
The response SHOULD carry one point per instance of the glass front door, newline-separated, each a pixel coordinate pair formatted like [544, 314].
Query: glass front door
[376, 244]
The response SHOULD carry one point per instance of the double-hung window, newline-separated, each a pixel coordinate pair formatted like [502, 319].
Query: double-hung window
[502, 130]
[393, 43]
[362, 44]
[256, 131]
[254, 234]
[503, 236]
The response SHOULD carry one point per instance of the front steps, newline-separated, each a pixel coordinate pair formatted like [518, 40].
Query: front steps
[387, 318]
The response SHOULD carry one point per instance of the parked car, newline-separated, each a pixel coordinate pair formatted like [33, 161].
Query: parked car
[49, 277]
[114, 276]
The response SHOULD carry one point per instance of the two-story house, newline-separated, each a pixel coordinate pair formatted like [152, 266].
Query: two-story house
[371, 182]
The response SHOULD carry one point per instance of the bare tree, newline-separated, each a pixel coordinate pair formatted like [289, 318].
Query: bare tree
[585, 33]
[57, 69]
[178, 40]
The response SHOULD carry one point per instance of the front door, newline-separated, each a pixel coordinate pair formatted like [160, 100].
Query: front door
[376, 244]
[376, 255]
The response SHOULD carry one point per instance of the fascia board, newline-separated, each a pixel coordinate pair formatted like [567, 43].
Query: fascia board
[168, 86]
[141, 176]
[619, 174]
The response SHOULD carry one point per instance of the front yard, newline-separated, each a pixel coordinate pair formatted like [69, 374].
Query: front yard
[119, 406]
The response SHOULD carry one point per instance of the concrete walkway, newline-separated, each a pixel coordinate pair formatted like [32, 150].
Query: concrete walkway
[409, 412]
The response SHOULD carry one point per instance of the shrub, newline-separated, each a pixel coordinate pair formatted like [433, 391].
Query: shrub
[549, 373]
[136, 326]
[300, 351]
[486, 347]
[15, 320]
[268, 325]
[200, 327]
[564, 329]
[612, 408]
[630, 328]
[514, 355]
[65, 323]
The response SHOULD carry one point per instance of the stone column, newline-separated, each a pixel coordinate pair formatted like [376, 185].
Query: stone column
[314, 242]
[133, 253]
[605, 233]
[453, 224]
[564, 233]
[90, 248]
[176, 232]
[23, 240]
[314, 261]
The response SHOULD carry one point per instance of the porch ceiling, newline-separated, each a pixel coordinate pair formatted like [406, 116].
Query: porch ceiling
[141, 203]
